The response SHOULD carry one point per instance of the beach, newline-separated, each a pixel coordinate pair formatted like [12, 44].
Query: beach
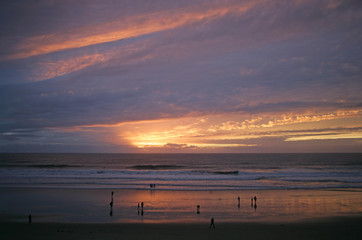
[85, 214]
[160, 206]
[134, 196]
[330, 228]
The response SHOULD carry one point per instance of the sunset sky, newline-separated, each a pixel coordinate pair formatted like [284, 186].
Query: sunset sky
[181, 76]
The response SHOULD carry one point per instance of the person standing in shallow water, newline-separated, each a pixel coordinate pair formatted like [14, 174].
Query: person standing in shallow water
[212, 224]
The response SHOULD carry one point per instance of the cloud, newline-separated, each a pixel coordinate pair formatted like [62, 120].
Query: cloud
[18, 134]
[81, 68]
[213, 132]
[326, 137]
[47, 70]
[178, 146]
[134, 26]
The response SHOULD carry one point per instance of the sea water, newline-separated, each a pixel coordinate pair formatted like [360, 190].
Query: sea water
[79, 187]
[182, 171]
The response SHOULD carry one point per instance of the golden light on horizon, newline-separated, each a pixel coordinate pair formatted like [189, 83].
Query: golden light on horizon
[235, 130]
[227, 132]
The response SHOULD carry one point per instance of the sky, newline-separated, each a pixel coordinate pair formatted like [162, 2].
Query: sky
[190, 76]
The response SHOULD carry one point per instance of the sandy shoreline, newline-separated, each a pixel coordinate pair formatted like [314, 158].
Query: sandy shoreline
[330, 228]
[92, 205]
[84, 214]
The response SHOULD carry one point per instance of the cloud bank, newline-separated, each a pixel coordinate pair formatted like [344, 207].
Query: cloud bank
[82, 75]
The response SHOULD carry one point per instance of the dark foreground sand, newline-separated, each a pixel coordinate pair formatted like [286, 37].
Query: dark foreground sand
[332, 228]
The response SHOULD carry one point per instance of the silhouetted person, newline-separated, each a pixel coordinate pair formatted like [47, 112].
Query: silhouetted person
[212, 223]
[255, 199]
[111, 205]
[198, 209]
[29, 217]
[141, 204]
[238, 202]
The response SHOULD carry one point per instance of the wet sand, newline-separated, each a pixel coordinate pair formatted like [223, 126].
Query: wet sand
[330, 228]
[93, 205]
[85, 214]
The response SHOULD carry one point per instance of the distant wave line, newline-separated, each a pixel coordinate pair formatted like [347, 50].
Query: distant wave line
[51, 166]
[156, 167]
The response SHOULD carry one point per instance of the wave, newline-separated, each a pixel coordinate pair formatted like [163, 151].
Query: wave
[226, 172]
[51, 166]
[156, 167]
[167, 186]
[322, 181]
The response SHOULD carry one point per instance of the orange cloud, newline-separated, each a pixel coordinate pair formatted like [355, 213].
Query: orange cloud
[357, 135]
[285, 119]
[49, 70]
[214, 132]
[224, 131]
[122, 29]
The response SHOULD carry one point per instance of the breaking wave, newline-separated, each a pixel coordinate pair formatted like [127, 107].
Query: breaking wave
[156, 167]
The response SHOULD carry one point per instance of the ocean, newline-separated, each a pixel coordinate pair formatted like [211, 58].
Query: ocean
[187, 172]
[110, 187]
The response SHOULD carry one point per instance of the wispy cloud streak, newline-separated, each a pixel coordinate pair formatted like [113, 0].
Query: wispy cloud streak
[118, 30]
[47, 70]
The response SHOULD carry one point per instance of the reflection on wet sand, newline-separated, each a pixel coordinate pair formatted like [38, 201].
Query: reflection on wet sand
[157, 206]
[173, 206]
